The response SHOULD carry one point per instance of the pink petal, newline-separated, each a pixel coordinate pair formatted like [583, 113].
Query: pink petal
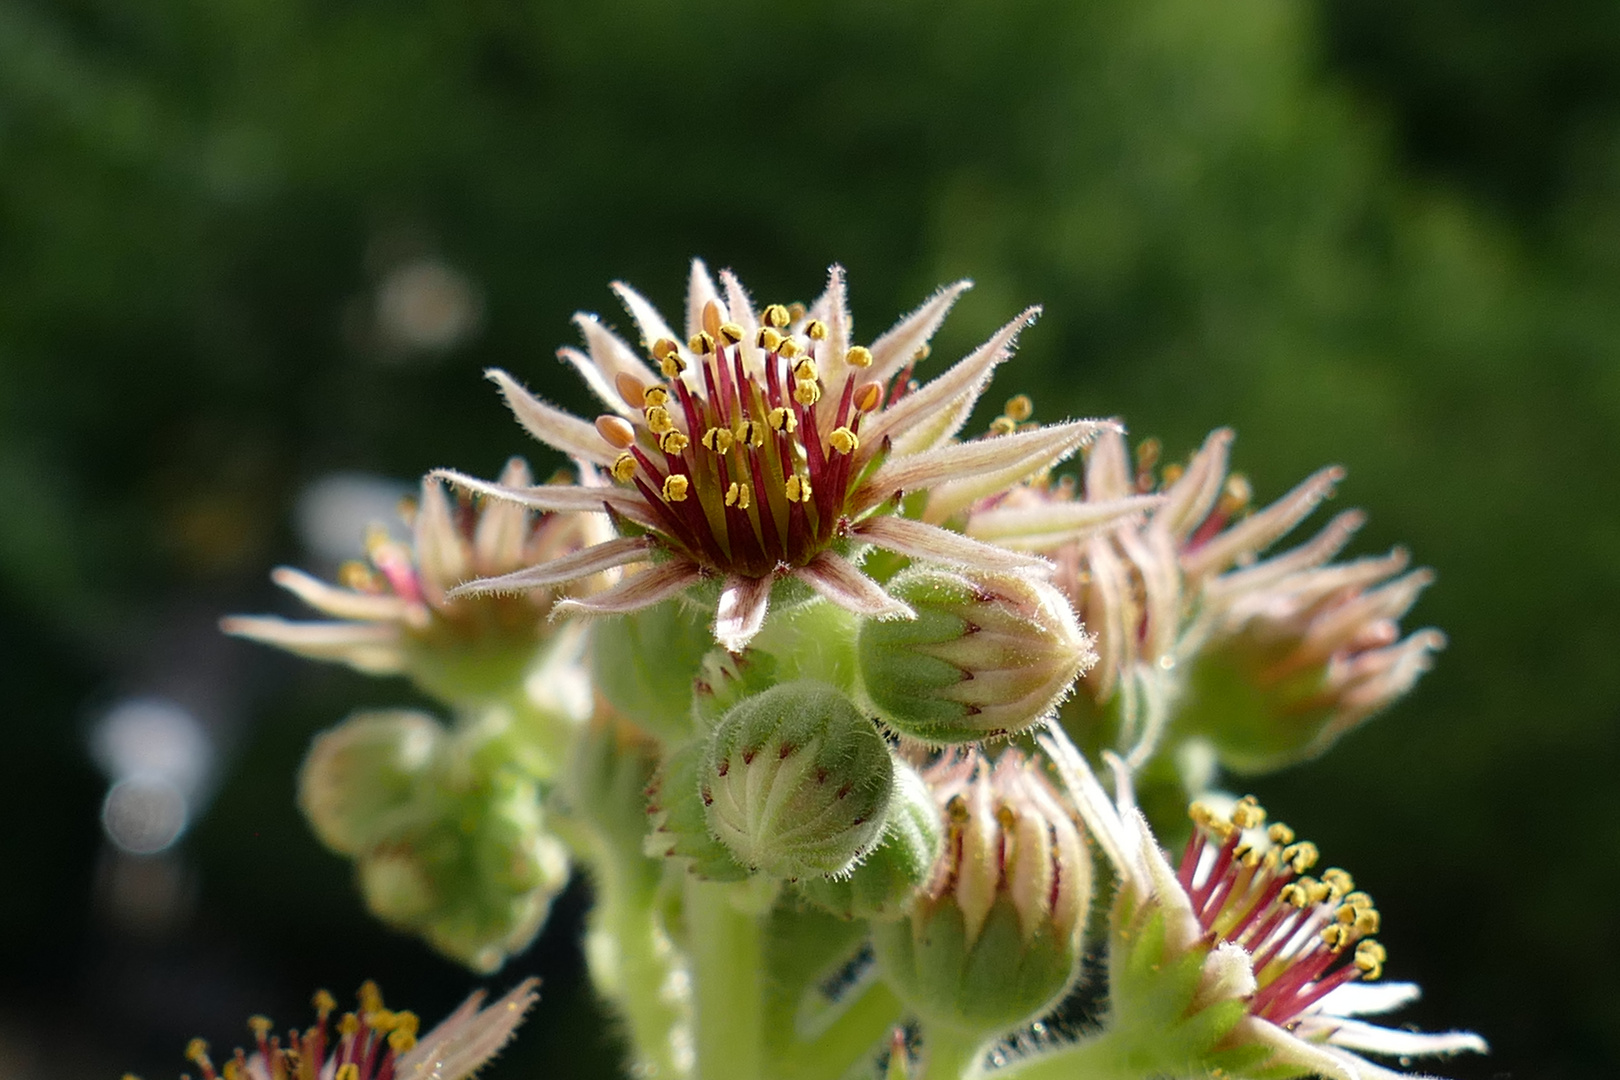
[636, 592]
[835, 578]
[1048, 525]
[743, 603]
[503, 526]
[895, 349]
[341, 603]
[551, 425]
[563, 498]
[1190, 499]
[930, 543]
[593, 560]
[1259, 531]
[700, 292]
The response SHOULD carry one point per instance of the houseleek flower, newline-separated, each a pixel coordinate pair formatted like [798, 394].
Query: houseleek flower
[374, 1042]
[764, 447]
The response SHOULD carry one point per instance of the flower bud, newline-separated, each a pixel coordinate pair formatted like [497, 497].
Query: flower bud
[679, 828]
[644, 664]
[988, 655]
[796, 781]
[362, 782]
[994, 939]
[883, 883]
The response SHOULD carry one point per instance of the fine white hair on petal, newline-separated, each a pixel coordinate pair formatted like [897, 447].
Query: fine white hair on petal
[562, 498]
[700, 293]
[503, 526]
[832, 308]
[1047, 525]
[439, 549]
[1261, 530]
[1108, 467]
[342, 603]
[837, 579]
[611, 355]
[466, 1040]
[1097, 810]
[557, 429]
[741, 612]
[648, 320]
[967, 479]
[919, 540]
[592, 560]
[635, 592]
[1228, 974]
[1191, 498]
[1357, 1035]
[899, 345]
[1307, 556]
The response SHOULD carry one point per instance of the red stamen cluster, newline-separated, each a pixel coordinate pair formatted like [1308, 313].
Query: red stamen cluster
[367, 1046]
[738, 471]
[1253, 891]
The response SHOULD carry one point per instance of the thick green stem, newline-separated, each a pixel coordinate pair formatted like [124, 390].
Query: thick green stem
[861, 1025]
[950, 1054]
[728, 963]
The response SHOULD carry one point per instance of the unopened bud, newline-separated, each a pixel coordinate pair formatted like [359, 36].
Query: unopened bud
[362, 782]
[994, 939]
[883, 883]
[988, 655]
[396, 886]
[678, 827]
[796, 781]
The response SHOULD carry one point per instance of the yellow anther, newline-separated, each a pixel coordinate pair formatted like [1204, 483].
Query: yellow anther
[788, 348]
[718, 439]
[664, 348]
[675, 486]
[859, 356]
[615, 431]
[1247, 855]
[1320, 893]
[656, 397]
[1237, 493]
[796, 311]
[401, 1041]
[1020, 407]
[624, 467]
[783, 420]
[807, 392]
[1336, 936]
[1170, 475]
[1003, 425]
[324, 1003]
[768, 339]
[817, 330]
[869, 396]
[1338, 882]
[260, 1026]
[749, 434]
[738, 495]
[922, 353]
[797, 489]
[1301, 857]
[843, 440]
[956, 810]
[674, 442]
[701, 343]
[197, 1051]
[1201, 814]
[1368, 921]
[731, 332]
[405, 1020]
[1370, 957]
[354, 574]
[351, 1071]
[1248, 813]
[382, 1019]
[1358, 900]
[1280, 833]
[806, 369]
[672, 366]
[777, 316]
[1295, 894]
[658, 421]
[710, 318]
[630, 389]
[348, 1024]
[233, 1071]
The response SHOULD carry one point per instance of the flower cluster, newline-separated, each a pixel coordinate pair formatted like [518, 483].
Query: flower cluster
[820, 755]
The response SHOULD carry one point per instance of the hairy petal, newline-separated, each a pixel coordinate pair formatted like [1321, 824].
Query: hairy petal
[340, 603]
[700, 293]
[837, 579]
[1191, 498]
[641, 590]
[895, 349]
[503, 526]
[592, 560]
[1048, 525]
[972, 478]
[465, 1040]
[741, 613]
[1261, 530]
[554, 427]
[930, 543]
[556, 497]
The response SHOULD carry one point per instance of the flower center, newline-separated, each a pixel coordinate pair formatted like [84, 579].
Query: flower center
[367, 1044]
[735, 459]
[1248, 886]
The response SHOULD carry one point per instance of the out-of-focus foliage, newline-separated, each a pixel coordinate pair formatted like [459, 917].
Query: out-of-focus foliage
[203, 205]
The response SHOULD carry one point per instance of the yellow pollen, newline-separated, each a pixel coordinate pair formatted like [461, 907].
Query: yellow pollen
[1280, 834]
[807, 392]
[702, 343]
[400, 1041]
[1338, 882]
[656, 397]
[382, 1020]
[630, 389]
[658, 421]
[1295, 894]
[675, 486]
[869, 397]
[674, 442]
[782, 420]
[615, 431]
[349, 1024]
[1358, 900]
[777, 316]
[806, 369]
[1336, 936]
[768, 339]
[817, 330]
[672, 366]
[787, 348]
[351, 1071]
[197, 1051]
[797, 489]
[624, 467]
[1370, 957]
[1368, 921]
[407, 1021]
[859, 356]
[1248, 813]
[324, 1003]
[664, 348]
[718, 439]
[1003, 425]
[843, 440]
[922, 353]
[731, 332]
[354, 574]
[1301, 857]
[233, 1071]
[1247, 855]
[1170, 475]
[260, 1026]
[738, 495]
[1236, 494]
[749, 434]
[1020, 408]
[1201, 814]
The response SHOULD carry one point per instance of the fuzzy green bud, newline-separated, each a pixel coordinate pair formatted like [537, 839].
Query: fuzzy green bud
[882, 884]
[678, 827]
[993, 941]
[796, 781]
[362, 782]
[988, 655]
[645, 662]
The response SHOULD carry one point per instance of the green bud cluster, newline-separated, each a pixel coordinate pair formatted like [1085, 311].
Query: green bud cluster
[881, 885]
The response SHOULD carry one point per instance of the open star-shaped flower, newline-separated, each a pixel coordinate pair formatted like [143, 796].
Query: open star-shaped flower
[766, 446]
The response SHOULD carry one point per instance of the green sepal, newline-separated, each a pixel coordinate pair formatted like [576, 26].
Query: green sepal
[644, 664]
[678, 829]
[881, 885]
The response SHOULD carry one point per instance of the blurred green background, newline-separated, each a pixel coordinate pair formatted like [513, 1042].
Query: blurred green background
[247, 244]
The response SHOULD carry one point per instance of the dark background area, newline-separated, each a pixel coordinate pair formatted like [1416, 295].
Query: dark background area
[1383, 234]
